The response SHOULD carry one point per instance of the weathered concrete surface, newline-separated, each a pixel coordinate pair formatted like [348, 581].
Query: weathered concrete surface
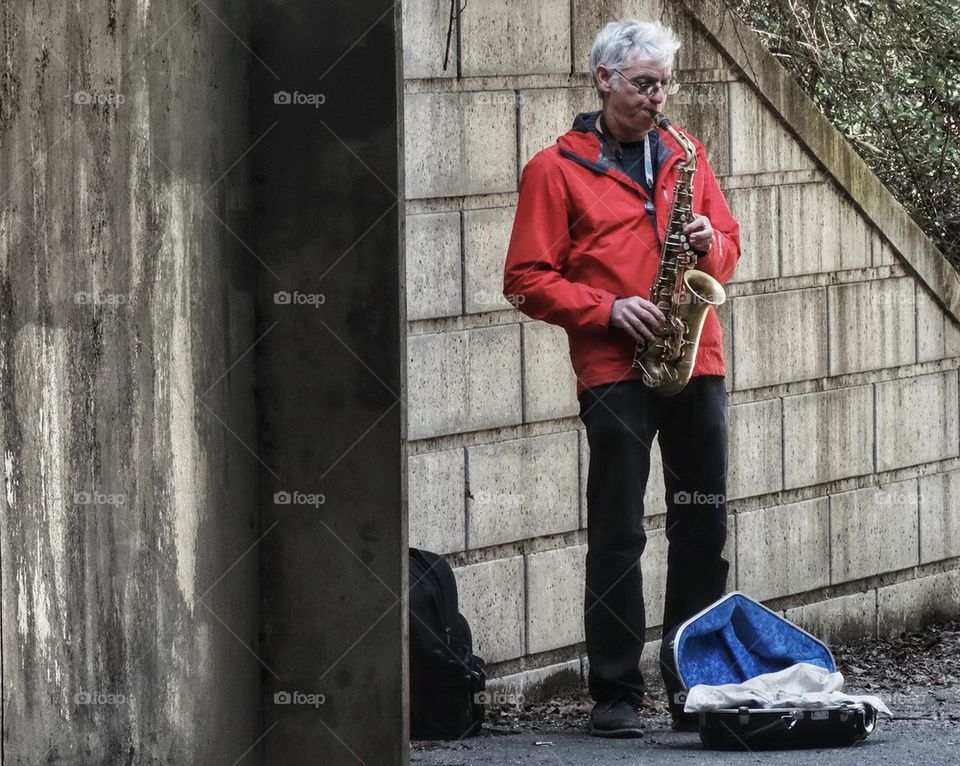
[433, 265]
[785, 549]
[457, 380]
[460, 143]
[522, 488]
[436, 501]
[554, 593]
[492, 600]
[549, 390]
[329, 223]
[836, 619]
[129, 607]
[514, 37]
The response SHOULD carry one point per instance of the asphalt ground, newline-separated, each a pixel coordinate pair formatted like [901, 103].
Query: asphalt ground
[916, 675]
[899, 742]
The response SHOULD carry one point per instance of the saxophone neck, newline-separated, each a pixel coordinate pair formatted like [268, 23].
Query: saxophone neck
[663, 122]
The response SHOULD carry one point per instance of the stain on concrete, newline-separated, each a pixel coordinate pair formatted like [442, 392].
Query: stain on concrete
[129, 496]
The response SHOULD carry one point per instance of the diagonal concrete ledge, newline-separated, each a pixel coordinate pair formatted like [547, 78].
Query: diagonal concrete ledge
[801, 117]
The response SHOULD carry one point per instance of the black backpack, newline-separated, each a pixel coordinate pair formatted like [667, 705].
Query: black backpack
[447, 680]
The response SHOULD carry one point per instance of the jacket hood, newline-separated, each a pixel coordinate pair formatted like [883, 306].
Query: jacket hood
[581, 141]
[585, 121]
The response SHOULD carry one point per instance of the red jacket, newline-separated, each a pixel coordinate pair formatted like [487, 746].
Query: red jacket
[581, 239]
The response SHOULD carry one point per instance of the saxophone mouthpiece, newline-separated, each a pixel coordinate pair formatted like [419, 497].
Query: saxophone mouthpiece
[661, 120]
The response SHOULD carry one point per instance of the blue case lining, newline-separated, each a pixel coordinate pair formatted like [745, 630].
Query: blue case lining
[737, 638]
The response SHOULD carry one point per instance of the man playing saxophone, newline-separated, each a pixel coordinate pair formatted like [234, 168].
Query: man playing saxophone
[586, 246]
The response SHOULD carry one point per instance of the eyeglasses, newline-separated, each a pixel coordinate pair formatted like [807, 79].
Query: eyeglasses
[648, 88]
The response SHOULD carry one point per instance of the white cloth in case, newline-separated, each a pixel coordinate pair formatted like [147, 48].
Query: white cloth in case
[800, 686]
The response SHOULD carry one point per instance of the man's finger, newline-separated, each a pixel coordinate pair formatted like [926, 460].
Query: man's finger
[645, 319]
[655, 310]
[650, 308]
[645, 330]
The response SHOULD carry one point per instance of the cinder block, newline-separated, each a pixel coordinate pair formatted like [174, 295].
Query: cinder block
[873, 531]
[730, 549]
[701, 108]
[809, 229]
[930, 327]
[883, 254]
[650, 660]
[951, 337]
[827, 435]
[433, 265]
[758, 213]
[555, 588]
[549, 385]
[584, 468]
[436, 382]
[654, 502]
[856, 235]
[696, 52]
[916, 420]
[784, 550]
[779, 337]
[549, 113]
[844, 618]
[939, 516]
[491, 598]
[536, 684]
[459, 143]
[653, 564]
[725, 317]
[463, 380]
[755, 449]
[425, 25]
[486, 235]
[910, 605]
[589, 16]
[871, 325]
[437, 501]
[494, 377]
[522, 488]
[502, 37]
[760, 144]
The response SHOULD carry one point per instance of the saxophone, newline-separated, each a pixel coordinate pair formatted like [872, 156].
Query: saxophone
[682, 293]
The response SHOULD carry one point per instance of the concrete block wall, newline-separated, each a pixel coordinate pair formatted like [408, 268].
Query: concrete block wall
[842, 363]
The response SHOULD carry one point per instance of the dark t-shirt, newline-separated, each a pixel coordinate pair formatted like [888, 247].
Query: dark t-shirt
[630, 160]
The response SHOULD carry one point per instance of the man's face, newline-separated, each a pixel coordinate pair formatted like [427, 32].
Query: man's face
[623, 99]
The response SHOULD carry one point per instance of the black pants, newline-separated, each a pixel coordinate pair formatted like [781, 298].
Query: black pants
[622, 420]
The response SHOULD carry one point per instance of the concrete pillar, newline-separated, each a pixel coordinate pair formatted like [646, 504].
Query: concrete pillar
[127, 423]
[333, 556]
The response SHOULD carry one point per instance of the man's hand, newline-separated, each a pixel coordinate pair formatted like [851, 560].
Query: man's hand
[639, 318]
[700, 233]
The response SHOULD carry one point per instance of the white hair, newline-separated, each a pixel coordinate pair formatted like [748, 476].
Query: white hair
[622, 43]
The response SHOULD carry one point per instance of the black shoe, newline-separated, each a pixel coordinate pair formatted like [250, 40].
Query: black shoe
[686, 722]
[615, 718]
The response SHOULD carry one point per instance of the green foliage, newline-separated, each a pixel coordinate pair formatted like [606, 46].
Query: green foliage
[887, 74]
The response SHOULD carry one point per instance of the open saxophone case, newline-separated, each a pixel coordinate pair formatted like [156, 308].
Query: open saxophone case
[757, 681]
